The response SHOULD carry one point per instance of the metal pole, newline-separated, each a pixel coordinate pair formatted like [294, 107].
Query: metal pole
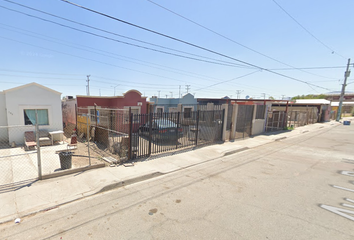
[346, 75]
[286, 113]
[150, 131]
[130, 133]
[222, 125]
[177, 130]
[39, 162]
[197, 130]
[88, 138]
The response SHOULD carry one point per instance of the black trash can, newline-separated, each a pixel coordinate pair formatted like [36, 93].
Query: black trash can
[65, 160]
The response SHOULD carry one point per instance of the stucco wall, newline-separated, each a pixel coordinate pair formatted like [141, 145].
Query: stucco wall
[130, 99]
[167, 103]
[258, 126]
[3, 119]
[31, 97]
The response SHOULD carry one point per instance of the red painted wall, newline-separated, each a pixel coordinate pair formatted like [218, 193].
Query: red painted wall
[130, 99]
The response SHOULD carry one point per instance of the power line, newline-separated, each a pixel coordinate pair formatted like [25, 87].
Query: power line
[228, 80]
[242, 45]
[312, 35]
[19, 71]
[178, 71]
[190, 44]
[118, 58]
[116, 40]
[328, 67]
[102, 30]
[93, 60]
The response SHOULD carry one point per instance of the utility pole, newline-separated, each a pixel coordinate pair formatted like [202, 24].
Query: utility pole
[88, 85]
[114, 87]
[238, 92]
[159, 93]
[346, 75]
[171, 94]
[179, 92]
[187, 88]
[264, 95]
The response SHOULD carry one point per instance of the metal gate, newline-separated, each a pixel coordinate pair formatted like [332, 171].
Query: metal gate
[244, 121]
[162, 132]
[276, 121]
[229, 117]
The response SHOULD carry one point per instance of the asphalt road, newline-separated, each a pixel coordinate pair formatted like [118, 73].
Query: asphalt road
[289, 189]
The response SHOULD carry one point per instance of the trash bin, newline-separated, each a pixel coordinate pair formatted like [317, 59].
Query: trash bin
[346, 122]
[65, 160]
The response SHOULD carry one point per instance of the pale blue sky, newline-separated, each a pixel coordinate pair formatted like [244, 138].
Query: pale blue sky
[33, 50]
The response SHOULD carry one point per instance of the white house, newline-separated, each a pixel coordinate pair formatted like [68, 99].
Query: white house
[17, 111]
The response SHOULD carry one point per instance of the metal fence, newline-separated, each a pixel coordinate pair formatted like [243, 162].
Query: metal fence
[156, 133]
[280, 120]
[298, 118]
[244, 121]
[32, 152]
[276, 121]
[120, 134]
[29, 153]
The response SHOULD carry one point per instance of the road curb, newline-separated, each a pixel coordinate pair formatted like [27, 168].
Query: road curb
[128, 182]
[104, 189]
[234, 151]
[280, 138]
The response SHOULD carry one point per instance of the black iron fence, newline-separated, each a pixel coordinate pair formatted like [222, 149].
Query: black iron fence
[156, 133]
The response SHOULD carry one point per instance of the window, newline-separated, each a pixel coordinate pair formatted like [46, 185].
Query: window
[30, 116]
[187, 112]
[135, 111]
[159, 111]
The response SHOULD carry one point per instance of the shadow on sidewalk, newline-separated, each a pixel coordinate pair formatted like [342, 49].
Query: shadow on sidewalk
[17, 185]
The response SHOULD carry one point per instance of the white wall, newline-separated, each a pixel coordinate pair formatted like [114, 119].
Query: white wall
[31, 97]
[3, 118]
[258, 126]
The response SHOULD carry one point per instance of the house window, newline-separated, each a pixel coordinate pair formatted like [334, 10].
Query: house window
[30, 116]
[135, 111]
[187, 112]
[159, 111]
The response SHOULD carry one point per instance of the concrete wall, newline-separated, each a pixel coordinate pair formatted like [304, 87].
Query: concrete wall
[258, 126]
[31, 97]
[131, 98]
[187, 100]
[3, 119]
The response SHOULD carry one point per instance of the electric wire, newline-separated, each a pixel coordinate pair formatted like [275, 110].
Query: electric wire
[123, 42]
[190, 44]
[311, 34]
[119, 35]
[178, 71]
[93, 60]
[240, 44]
[228, 80]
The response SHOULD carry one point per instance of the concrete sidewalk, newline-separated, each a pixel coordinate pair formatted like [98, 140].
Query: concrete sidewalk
[43, 195]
